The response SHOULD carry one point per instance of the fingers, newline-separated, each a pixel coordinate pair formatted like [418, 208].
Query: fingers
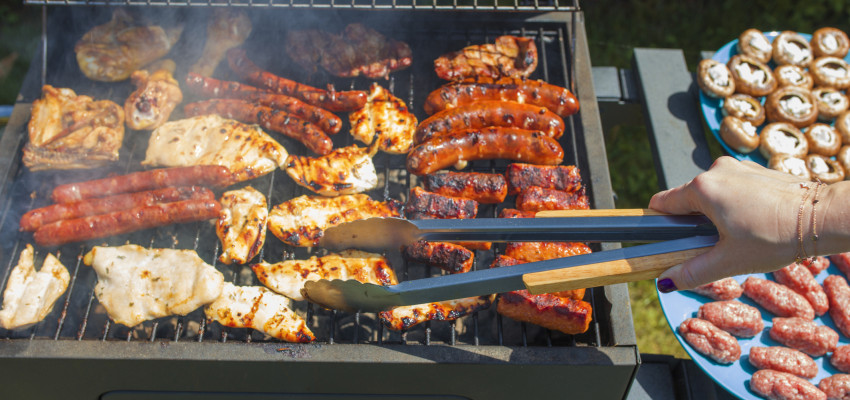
[697, 271]
[673, 201]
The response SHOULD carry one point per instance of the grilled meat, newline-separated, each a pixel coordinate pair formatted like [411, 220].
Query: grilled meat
[508, 56]
[384, 118]
[357, 51]
[404, 317]
[505, 261]
[241, 225]
[347, 170]
[29, 295]
[135, 284]
[450, 257]
[427, 205]
[68, 131]
[539, 251]
[259, 308]
[211, 140]
[549, 311]
[302, 220]
[560, 177]
[288, 277]
[155, 97]
[112, 51]
[557, 99]
[490, 113]
[477, 186]
[228, 28]
[536, 199]
[514, 213]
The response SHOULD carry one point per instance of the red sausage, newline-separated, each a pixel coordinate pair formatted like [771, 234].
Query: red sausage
[540, 199]
[724, 289]
[202, 175]
[481, 187]
[778, 385]
[484, 144]
[450, 257]
[557, 99]
[737, 318]
[329, 100]
[490, 113]
[710, 340]
[804, 335]
[778, 299]
[426, 205]
[34, 219]
[270, 119]
[838, 292]
[801, 280]
[560, 177]
[119, 222]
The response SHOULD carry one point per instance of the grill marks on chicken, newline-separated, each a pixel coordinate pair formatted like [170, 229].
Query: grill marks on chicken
[67, 131]
[212, 140]
[289, 277]
[302, 220]
[241, 225]
[385, 119]
[259, 308]
[137, 284]
[346, 170]
[508, 56]
[404, 317]
[155, 97]
[29, 295]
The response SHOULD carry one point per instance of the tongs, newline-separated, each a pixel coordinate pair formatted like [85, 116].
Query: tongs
[679, 238]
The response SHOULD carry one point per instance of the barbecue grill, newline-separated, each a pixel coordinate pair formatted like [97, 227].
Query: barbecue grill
[480, 356]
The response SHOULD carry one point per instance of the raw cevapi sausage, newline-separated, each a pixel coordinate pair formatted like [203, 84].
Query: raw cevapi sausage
[710, 340]
[119, 222]
[804, 335]
[784, 359]
[329, 100]
[201, 175]
[490, 113]
[800, 279]
[778, 385]
[34, 219]
[209, 87]
[557, 99]
[484, 144]
[778, 299]
[739, 319]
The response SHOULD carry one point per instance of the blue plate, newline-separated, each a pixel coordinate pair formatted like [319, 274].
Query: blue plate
[735, 377]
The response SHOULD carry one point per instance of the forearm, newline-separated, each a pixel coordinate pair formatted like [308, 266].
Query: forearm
[832, 216]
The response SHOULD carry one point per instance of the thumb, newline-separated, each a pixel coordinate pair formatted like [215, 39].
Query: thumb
[697, 271]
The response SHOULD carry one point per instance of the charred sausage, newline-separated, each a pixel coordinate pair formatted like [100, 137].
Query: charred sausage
[119, 222]
[490, 113]
[540, 199]
[484, 144]
[560, 177]
[270, 119]
[427, 205]
[450, 257]
[329, 100]
[557, 99]
[547, 310]
[34, 219]
[481, 187]
[202, 175]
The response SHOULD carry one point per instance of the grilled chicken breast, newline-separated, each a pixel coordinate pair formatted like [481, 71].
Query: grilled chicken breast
[155, 97]
[258, 308]
[226, 29]
[385, 118]
[29, 295]
[509, 56]
[212, 140]
[136, 284]
[288, 277]
[404, 317]
[347, 170]
[68, 131]
[302, 220]
[241, 225]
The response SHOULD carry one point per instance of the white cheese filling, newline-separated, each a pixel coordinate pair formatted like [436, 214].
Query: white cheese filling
[834, 98]
[748, 128]
[782, 142]
[796, 52]
[823, 135]
[749, 74]
[744, 106]
[833, 70]
[719, 74]
[791, 75]
[795, 166]
[760, 43]
[795, 106]
[818, 166]
[829, 43]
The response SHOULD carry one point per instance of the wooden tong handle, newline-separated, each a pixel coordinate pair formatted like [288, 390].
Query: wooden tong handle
[614, 212]
[606, 273]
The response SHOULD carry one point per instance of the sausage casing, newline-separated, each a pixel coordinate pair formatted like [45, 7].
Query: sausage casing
[427, 205]
[560, 177]
[490, 113]
[481, 187]
[450, 257]
[557, 99]
[540, 199]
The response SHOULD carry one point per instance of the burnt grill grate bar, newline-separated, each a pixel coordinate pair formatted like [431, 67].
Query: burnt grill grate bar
[446, 5]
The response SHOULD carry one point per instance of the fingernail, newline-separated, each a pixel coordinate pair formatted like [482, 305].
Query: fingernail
[666, 285]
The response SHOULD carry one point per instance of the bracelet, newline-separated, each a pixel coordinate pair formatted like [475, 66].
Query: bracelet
[801, 247]
[815, 201]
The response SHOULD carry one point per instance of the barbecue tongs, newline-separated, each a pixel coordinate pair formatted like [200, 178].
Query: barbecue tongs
[680, 237]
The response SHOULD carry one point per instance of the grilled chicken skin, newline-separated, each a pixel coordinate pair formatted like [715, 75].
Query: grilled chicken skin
[404, 317]
[155, 97]
[385, 119]
[259, 308]
[67, 131]
[241, 225]
[509, 56]
[288, 277]
[347, 170]
[135, 284]
[212, 140]
[29, 295]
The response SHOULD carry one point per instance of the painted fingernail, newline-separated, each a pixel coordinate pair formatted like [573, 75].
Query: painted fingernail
[666, 285]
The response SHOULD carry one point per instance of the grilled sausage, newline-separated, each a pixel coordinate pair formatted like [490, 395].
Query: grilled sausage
[514, 213]
[838, 292]
[836, 386]
[778, 385]
[801, 280]
[778, 299]
[404, 317]
[481, 187]
[724, 289]
[783, 359]
[450, 257]
[840, 358]
[484, 144]
[547, 310]
[539, 199]
[427, 205]
[561, 177]
[804, 335]
[737, 318]
[490, 113]
[202, 175]
[34, 219]
[209, 87]
[539, 251]
[119, 222]
[329, 100]
[710, 340]
[270, 119]
[557, 99]
[505, 261]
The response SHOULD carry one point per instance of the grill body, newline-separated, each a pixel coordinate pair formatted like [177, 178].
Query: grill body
[482, 356]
